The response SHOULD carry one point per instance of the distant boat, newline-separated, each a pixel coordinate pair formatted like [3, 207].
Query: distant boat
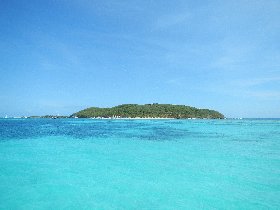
[6, 116]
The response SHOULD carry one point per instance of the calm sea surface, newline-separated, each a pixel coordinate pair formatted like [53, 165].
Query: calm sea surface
[139, 164]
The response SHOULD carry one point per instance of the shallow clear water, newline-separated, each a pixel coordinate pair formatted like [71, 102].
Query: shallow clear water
[139, 164]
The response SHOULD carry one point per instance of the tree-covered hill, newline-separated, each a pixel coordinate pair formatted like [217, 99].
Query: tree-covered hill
[149, 111]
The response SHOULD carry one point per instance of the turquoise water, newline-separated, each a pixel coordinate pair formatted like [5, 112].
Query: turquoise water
[139, 164]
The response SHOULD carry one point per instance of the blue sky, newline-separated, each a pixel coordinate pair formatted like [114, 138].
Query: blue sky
[58, 57]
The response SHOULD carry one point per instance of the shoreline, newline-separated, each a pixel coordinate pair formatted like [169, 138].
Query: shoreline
[144, 118]
[112, 118]
[132, 118]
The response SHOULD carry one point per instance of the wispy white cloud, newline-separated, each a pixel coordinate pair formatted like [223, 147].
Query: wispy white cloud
[175, 81]
[251, 82]
[264, 95]
[168, 21]
[231, 54]
[55, 54]
[108, 8]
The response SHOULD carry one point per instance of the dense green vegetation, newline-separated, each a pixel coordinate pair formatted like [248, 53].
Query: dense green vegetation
[149, 111]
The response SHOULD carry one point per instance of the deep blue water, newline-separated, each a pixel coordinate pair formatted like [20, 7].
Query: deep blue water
[139, 164]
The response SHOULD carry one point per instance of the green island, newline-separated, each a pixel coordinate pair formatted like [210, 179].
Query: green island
[154, 110]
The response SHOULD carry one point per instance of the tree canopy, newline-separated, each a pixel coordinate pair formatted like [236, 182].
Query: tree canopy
[149, 111]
